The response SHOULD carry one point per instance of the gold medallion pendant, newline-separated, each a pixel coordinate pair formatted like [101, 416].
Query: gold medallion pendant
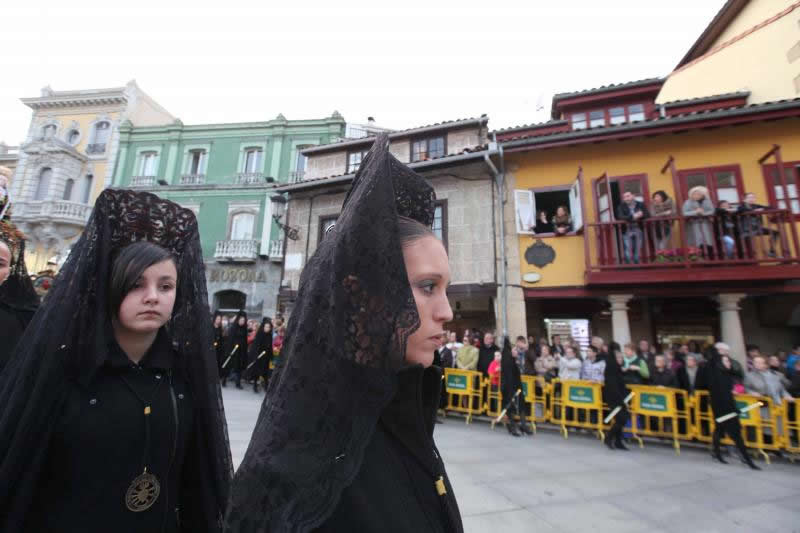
[142, 493]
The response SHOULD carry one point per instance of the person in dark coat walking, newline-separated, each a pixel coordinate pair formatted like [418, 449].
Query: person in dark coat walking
[614, 394]
[261, 354]
[112, 415]
[219, 339]
[236, 350]
[18, 299]
[510, 383]
[720, 379]
[344, 441]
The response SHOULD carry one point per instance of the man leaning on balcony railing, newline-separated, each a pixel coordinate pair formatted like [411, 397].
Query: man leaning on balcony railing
[752, 226]
[634, 213]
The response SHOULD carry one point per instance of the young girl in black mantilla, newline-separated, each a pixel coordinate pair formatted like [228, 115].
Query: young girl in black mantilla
[113, 418]
[344, 441]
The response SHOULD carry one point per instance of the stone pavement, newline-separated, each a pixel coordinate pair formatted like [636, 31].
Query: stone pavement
[545, 484]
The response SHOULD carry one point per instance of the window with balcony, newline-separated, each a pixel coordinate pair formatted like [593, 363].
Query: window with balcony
[300, 162]
[99, 138]
[88, 182]
[776, 191]
[354, 160]
[148, 164]
[43, 184]
[723, 183]
[252, 160]
[198, 159]
[68, 186]
[424, 149]
[242, 226]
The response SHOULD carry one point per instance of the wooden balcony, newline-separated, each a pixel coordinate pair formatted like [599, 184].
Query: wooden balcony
[757, 246]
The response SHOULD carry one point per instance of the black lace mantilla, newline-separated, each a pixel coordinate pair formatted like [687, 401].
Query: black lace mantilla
[67, 340]
[345, 342]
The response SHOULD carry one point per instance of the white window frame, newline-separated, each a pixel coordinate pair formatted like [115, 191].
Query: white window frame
[247, 234]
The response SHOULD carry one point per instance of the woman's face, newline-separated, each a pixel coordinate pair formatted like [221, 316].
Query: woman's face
[242, 321]
[429, 276]
[698, 196]
[217, 321]
[148, 305]
[657, 199]
[267, 327]
[542, 216]
[726, 362]
[561, 211]
[5, 261]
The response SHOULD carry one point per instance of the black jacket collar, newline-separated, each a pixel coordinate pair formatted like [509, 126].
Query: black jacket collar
[160, 355]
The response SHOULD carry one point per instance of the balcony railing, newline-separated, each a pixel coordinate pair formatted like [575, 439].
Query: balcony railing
[143, 181]
[296, 176]
[58, 211]
[250, 178]
[674, 248]
[193, 179]
[97, 148]
[276, 250]
[245, 250]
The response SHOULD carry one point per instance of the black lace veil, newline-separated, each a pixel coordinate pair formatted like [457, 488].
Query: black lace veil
[67, 339]
[17, 292]
[345, 342]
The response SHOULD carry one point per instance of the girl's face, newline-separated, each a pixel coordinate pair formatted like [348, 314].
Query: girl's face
[5, 261]
[267, 327]
[149, 304]
[429, 276]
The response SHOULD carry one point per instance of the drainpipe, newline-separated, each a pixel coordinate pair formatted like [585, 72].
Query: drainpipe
[499, 181]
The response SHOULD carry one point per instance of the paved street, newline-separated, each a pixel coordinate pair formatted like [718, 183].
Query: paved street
[546, 484]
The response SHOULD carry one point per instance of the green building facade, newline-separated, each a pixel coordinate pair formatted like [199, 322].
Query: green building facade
[226, 173]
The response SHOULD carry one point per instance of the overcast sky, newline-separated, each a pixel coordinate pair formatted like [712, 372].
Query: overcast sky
[414, 63]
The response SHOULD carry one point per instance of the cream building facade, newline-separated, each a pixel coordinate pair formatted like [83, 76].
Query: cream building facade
[67, 159]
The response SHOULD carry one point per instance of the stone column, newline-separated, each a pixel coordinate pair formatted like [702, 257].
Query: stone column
[620, 326]
[731, 325]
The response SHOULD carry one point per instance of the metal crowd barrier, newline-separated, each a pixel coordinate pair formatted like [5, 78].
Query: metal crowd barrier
[660, 412]
[465, 391]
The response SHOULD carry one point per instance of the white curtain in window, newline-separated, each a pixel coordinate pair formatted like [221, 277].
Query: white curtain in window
[575, 205]
[525, 206]
[242, 226]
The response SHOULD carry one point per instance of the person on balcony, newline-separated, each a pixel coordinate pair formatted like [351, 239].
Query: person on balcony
[634, 213]
[751, 224]
[543, 225]
[699, 231]
[663, 206]
[726, 227]
[562, 221]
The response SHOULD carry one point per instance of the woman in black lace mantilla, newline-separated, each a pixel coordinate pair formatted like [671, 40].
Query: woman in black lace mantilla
[111, 416]
[344, 440]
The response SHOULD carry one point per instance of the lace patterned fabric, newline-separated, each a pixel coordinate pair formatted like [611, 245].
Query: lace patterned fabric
[67, 340]
[345, 342]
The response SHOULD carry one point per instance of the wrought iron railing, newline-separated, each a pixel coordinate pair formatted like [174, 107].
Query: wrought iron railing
[764, 237]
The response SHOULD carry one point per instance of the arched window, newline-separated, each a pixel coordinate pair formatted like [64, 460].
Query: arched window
[43, 185]
[242, 226]
[88, 181]
[48, 131]
[73, 137]
[100, 134]
[68, 189]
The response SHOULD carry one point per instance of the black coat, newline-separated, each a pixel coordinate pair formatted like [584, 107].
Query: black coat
[219, 346]
[445, 358]
[485, 357]
[614, 390]
[98, 444]
[625, 213]
[237, 336]
[666, 378]
[12, 325]
[395, 489]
